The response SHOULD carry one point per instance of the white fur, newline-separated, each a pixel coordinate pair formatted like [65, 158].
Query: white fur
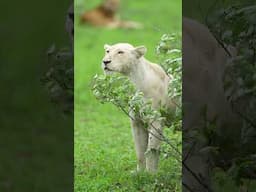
[149, 78]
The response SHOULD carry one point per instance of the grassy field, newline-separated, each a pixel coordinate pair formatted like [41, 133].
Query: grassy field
[104, 150]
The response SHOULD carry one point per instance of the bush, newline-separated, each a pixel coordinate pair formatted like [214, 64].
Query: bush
[236, 26]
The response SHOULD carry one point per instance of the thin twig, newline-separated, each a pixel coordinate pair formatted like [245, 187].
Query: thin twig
[168, 142]
[189, 152]
[196, 177]
[151, 124]
[187, 187]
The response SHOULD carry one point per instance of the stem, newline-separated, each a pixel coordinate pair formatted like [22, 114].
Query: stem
[173, 147]
[187, 187]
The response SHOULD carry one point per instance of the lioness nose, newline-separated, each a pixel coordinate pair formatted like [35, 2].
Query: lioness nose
[106, 62]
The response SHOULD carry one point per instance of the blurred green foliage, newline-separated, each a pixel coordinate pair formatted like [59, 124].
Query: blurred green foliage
[236, 26]
[36, 139]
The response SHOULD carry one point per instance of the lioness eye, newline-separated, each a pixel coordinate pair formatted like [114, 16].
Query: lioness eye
[120, 52]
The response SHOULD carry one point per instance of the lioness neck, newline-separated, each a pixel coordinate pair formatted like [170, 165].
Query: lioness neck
[139, 73]
[149, 78]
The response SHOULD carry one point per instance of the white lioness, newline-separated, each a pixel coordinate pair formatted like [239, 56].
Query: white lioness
[152, 80]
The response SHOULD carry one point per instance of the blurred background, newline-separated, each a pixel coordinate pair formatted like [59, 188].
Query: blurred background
[104, 149]
[36, 143]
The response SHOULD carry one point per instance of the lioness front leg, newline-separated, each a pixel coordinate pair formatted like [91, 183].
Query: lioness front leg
[140, 135]
[153, 150]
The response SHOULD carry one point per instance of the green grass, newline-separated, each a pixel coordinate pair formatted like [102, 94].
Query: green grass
[104, 150]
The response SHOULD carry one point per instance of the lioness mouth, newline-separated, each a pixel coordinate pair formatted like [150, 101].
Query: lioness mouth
[107, 69]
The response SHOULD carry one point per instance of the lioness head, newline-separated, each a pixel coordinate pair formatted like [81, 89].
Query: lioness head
[111, 5]
[121, 57]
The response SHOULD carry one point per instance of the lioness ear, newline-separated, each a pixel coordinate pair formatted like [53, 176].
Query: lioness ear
[140, 51]
[106, 46]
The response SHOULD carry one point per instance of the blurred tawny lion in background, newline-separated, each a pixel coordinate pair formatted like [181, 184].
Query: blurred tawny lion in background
[105, 15]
